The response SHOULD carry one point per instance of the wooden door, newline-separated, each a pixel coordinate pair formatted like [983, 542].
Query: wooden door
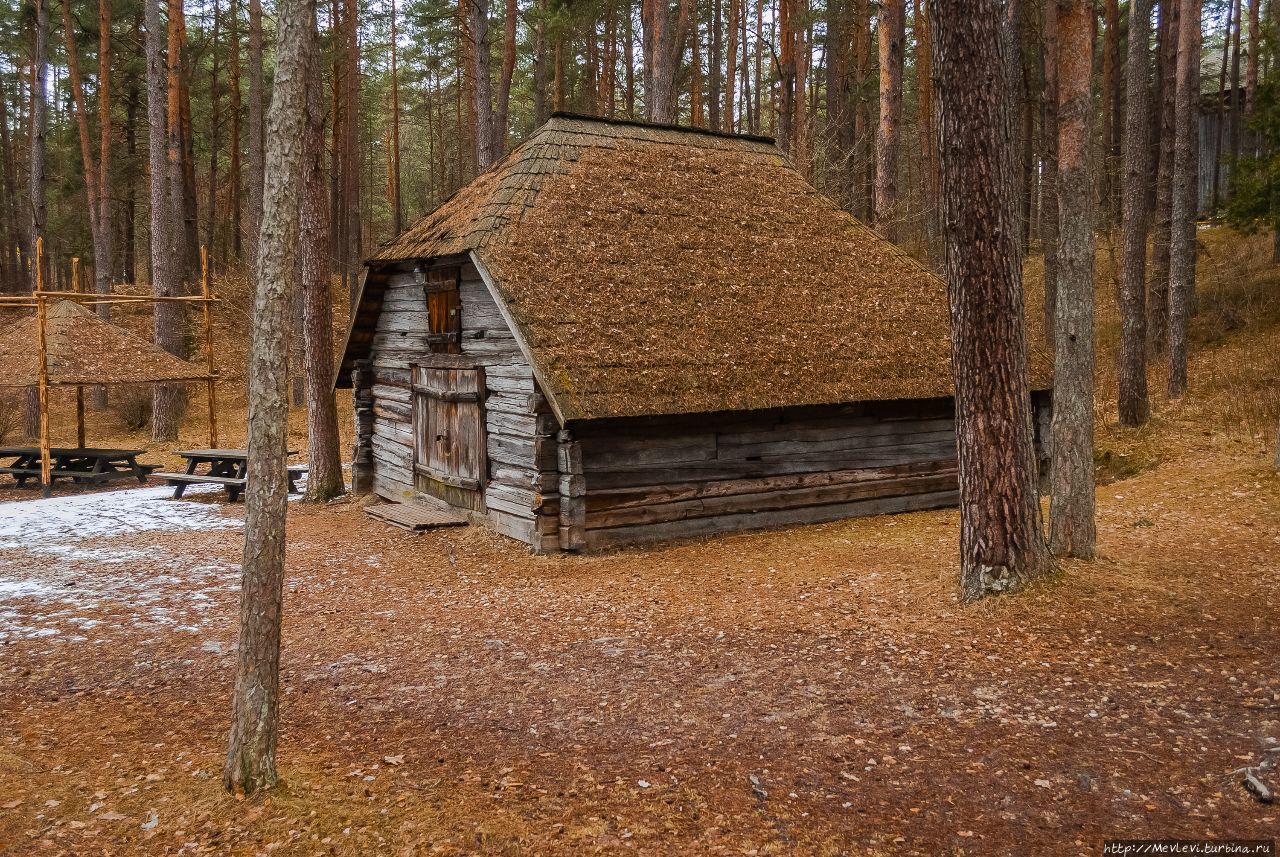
[449, 460]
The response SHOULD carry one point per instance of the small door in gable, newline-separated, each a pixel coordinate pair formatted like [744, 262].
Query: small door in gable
[444, 310]
[450, 462]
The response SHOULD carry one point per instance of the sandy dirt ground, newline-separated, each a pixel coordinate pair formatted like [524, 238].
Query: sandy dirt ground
[813, 690]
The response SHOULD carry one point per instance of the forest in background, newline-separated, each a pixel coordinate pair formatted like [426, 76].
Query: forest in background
[420, 96]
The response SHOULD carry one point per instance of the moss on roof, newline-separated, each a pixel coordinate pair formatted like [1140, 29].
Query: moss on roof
[653, 270]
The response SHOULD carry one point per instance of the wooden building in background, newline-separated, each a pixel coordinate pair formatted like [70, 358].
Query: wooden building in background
[624, 333]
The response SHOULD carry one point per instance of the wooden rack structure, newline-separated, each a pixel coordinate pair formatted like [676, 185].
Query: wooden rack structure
[39, 300]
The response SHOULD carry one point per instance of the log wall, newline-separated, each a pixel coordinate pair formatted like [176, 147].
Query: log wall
[521, 491]
[662, 478]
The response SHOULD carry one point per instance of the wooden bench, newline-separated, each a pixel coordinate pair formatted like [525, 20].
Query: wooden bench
[234, 484]
[82, 465]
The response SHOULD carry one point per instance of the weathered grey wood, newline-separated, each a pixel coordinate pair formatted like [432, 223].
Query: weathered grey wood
[617, 536]
[789, 498]
[618, 498]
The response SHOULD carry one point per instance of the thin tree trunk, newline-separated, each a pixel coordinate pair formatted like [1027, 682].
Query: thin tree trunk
[1001, 542]
[39, 129]
[251, 751]
[1215, 194]
[1251, 70]
[1133, 404]
[397, 207]
[215, 121]
[928, 134]
[731, 67]
[234, 179]
[1049, 217]
[1072, 528]
[257, 95]
[1162, 220]
[351, 252]
[1233, 135]
[324, 470]
[39, 206]
[891, 31]
[1182, 230]
[715, 52]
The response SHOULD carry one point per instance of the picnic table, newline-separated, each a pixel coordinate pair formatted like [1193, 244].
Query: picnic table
[225, 467]
[83, 465]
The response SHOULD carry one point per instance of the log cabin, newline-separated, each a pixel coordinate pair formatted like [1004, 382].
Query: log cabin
[624, 333]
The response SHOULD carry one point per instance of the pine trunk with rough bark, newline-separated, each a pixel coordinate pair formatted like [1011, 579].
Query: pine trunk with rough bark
[1158, 316]
[481, 86]
[1049, 218]
[663, 40]
[502, 117]
[165, 258]
[324, 461]
[1002, 546]
[891, 33]
[251, 752]
[1072, 528]
[1182, 228]
[254, 148]
[1133, 404]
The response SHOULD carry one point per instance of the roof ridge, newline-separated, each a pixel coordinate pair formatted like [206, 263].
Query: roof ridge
[657, 126]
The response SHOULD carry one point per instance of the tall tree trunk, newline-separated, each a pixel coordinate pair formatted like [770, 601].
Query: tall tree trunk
[541, 108]
[731, 67]
[928, 133]
[1107, 182]
[1133, 405]
[251, 751]
[696, 117]
[1255, 44]
[663, 39]
[39, 128]
[502, 121]
[255, 151]
[166, 260]
[1001, 542]
[1215, 194]
[39, 206]
[1233, 136]
[891, 31]
[481, 91]
[235, 180]
[1072, 529]
[129, 263]
[352, 251]
[1049, 217]
[715, 54]
[215, 130]
[864, 156]
[397, 206]
[800, 102]
[1170, 27]
[324, 470]
[1182, 229]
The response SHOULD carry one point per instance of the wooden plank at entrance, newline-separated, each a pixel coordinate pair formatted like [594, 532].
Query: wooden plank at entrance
[414, 517]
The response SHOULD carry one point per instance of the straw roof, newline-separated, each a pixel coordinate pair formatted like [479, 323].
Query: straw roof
[84, 349]
[656, 270]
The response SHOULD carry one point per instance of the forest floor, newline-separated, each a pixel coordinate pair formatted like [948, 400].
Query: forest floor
[813, 690]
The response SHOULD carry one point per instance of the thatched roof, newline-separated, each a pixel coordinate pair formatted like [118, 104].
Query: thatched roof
[84, 349]
[658, 270]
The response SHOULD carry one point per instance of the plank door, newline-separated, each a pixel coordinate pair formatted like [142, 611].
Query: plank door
[444, 310]
[449, 459]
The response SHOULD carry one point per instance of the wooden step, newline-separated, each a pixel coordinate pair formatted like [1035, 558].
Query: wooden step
[415, 517]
